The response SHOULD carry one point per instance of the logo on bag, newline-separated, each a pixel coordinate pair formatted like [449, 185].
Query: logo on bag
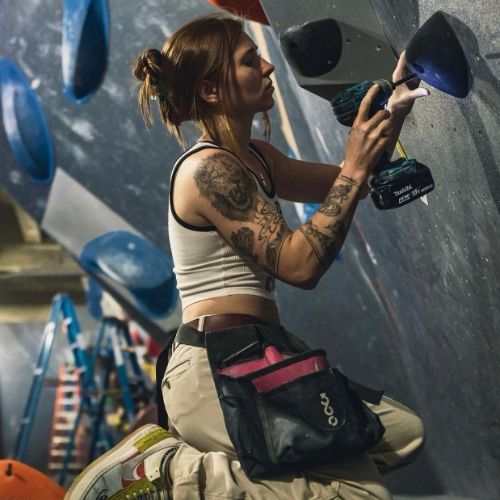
[328, 410]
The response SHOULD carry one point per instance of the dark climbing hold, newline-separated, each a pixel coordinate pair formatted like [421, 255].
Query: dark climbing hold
[437, 57]
[314, 48]
[25, 124]
[138, 269]
[85, 47]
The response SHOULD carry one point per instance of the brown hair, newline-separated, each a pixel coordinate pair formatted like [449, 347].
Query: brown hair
[201, 49]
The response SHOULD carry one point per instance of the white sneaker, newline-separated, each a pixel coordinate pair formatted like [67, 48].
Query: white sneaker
[137, 467]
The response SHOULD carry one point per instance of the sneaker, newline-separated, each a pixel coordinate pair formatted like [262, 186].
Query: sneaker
[137, 467]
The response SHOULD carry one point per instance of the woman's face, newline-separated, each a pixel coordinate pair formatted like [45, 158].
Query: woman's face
[250, 86]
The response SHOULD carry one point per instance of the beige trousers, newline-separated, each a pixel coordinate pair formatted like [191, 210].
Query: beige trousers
[207, 466]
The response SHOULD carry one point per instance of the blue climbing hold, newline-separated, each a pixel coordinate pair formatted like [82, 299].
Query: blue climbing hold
[137, 266]
[25, 124]
[93, 296]
[306, 210]
[85, 47]
[436, 55]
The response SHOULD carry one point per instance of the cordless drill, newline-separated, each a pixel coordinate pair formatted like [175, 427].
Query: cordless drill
[392, 184]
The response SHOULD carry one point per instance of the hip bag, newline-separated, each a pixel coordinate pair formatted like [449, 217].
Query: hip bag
[285, 408]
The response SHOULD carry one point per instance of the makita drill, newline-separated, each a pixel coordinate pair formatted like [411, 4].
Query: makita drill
[392, 184]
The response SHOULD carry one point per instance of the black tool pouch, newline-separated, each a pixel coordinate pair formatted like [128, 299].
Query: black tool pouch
[291, 415]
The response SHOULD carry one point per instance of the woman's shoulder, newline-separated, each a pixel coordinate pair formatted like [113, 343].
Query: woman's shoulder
[263, 146]
[205, 160]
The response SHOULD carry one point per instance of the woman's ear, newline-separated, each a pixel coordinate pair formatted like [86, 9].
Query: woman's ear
[208, 91]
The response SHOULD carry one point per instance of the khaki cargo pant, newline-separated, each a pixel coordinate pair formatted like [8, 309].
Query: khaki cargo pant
[207, 467]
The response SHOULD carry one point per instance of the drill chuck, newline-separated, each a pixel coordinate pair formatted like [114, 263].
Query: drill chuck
[346, 105]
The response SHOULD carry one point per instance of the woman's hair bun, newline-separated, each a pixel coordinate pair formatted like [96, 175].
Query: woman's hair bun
[150, 62]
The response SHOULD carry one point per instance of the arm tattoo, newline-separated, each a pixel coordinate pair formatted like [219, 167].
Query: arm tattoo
[228, 187]
[325, 246]
[332, 206]
[243, 241]
[233, 193]
[327, 241]
[348, 179]
[271, 235]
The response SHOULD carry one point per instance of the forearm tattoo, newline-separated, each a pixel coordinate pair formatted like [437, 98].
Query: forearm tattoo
[332, 206]
[326, 241]
[232, 192]
[348, 179]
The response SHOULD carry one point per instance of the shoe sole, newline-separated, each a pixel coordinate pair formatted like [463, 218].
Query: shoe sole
[125, 448]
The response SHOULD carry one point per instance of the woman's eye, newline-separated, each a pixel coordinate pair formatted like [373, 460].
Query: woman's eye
[254, 59]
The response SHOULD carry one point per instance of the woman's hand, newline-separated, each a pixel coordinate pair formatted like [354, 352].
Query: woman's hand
[367, 139]
[404, 95]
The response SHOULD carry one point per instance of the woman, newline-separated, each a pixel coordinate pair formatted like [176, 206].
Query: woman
[229, 243]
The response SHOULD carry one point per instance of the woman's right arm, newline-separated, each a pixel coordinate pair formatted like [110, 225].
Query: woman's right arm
[225, 194]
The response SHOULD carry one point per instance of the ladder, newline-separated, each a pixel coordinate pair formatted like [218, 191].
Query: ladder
[78, 392]
[62, 308]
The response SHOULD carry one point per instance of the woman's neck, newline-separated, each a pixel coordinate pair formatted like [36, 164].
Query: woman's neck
[242, 130]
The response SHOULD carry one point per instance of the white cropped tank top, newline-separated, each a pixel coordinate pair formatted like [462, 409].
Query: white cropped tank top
[205, 265]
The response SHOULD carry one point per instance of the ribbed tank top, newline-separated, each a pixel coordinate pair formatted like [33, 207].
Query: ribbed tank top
[205, 265]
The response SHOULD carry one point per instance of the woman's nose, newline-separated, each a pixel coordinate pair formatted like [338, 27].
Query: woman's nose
[267, 67]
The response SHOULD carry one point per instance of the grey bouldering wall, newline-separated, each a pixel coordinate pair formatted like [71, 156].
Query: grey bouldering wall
[412, 303]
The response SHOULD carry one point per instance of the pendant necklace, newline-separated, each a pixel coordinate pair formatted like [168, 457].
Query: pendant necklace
[261, 176]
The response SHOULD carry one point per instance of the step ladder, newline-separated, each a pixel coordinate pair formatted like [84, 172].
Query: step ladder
[62, 311]
[66, 407]
[62, 317]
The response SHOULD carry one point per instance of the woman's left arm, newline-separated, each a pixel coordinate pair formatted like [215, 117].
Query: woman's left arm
[297, 180]
[309, 182]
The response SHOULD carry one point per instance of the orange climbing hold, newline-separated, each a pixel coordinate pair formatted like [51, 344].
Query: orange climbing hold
[19, 481]
[250, 9]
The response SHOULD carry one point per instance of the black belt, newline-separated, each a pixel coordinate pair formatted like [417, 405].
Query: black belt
[189, 336]
[193, 332]
[217, 322]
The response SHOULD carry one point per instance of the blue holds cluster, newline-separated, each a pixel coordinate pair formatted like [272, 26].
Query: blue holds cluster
[85, 47]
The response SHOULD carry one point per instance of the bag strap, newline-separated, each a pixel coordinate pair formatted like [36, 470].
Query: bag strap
[373, 396]
[161, 366]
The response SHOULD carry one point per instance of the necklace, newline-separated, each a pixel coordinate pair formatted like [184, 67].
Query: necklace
[260, 176]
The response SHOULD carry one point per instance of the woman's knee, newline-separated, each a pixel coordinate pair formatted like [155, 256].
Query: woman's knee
[404, 438]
